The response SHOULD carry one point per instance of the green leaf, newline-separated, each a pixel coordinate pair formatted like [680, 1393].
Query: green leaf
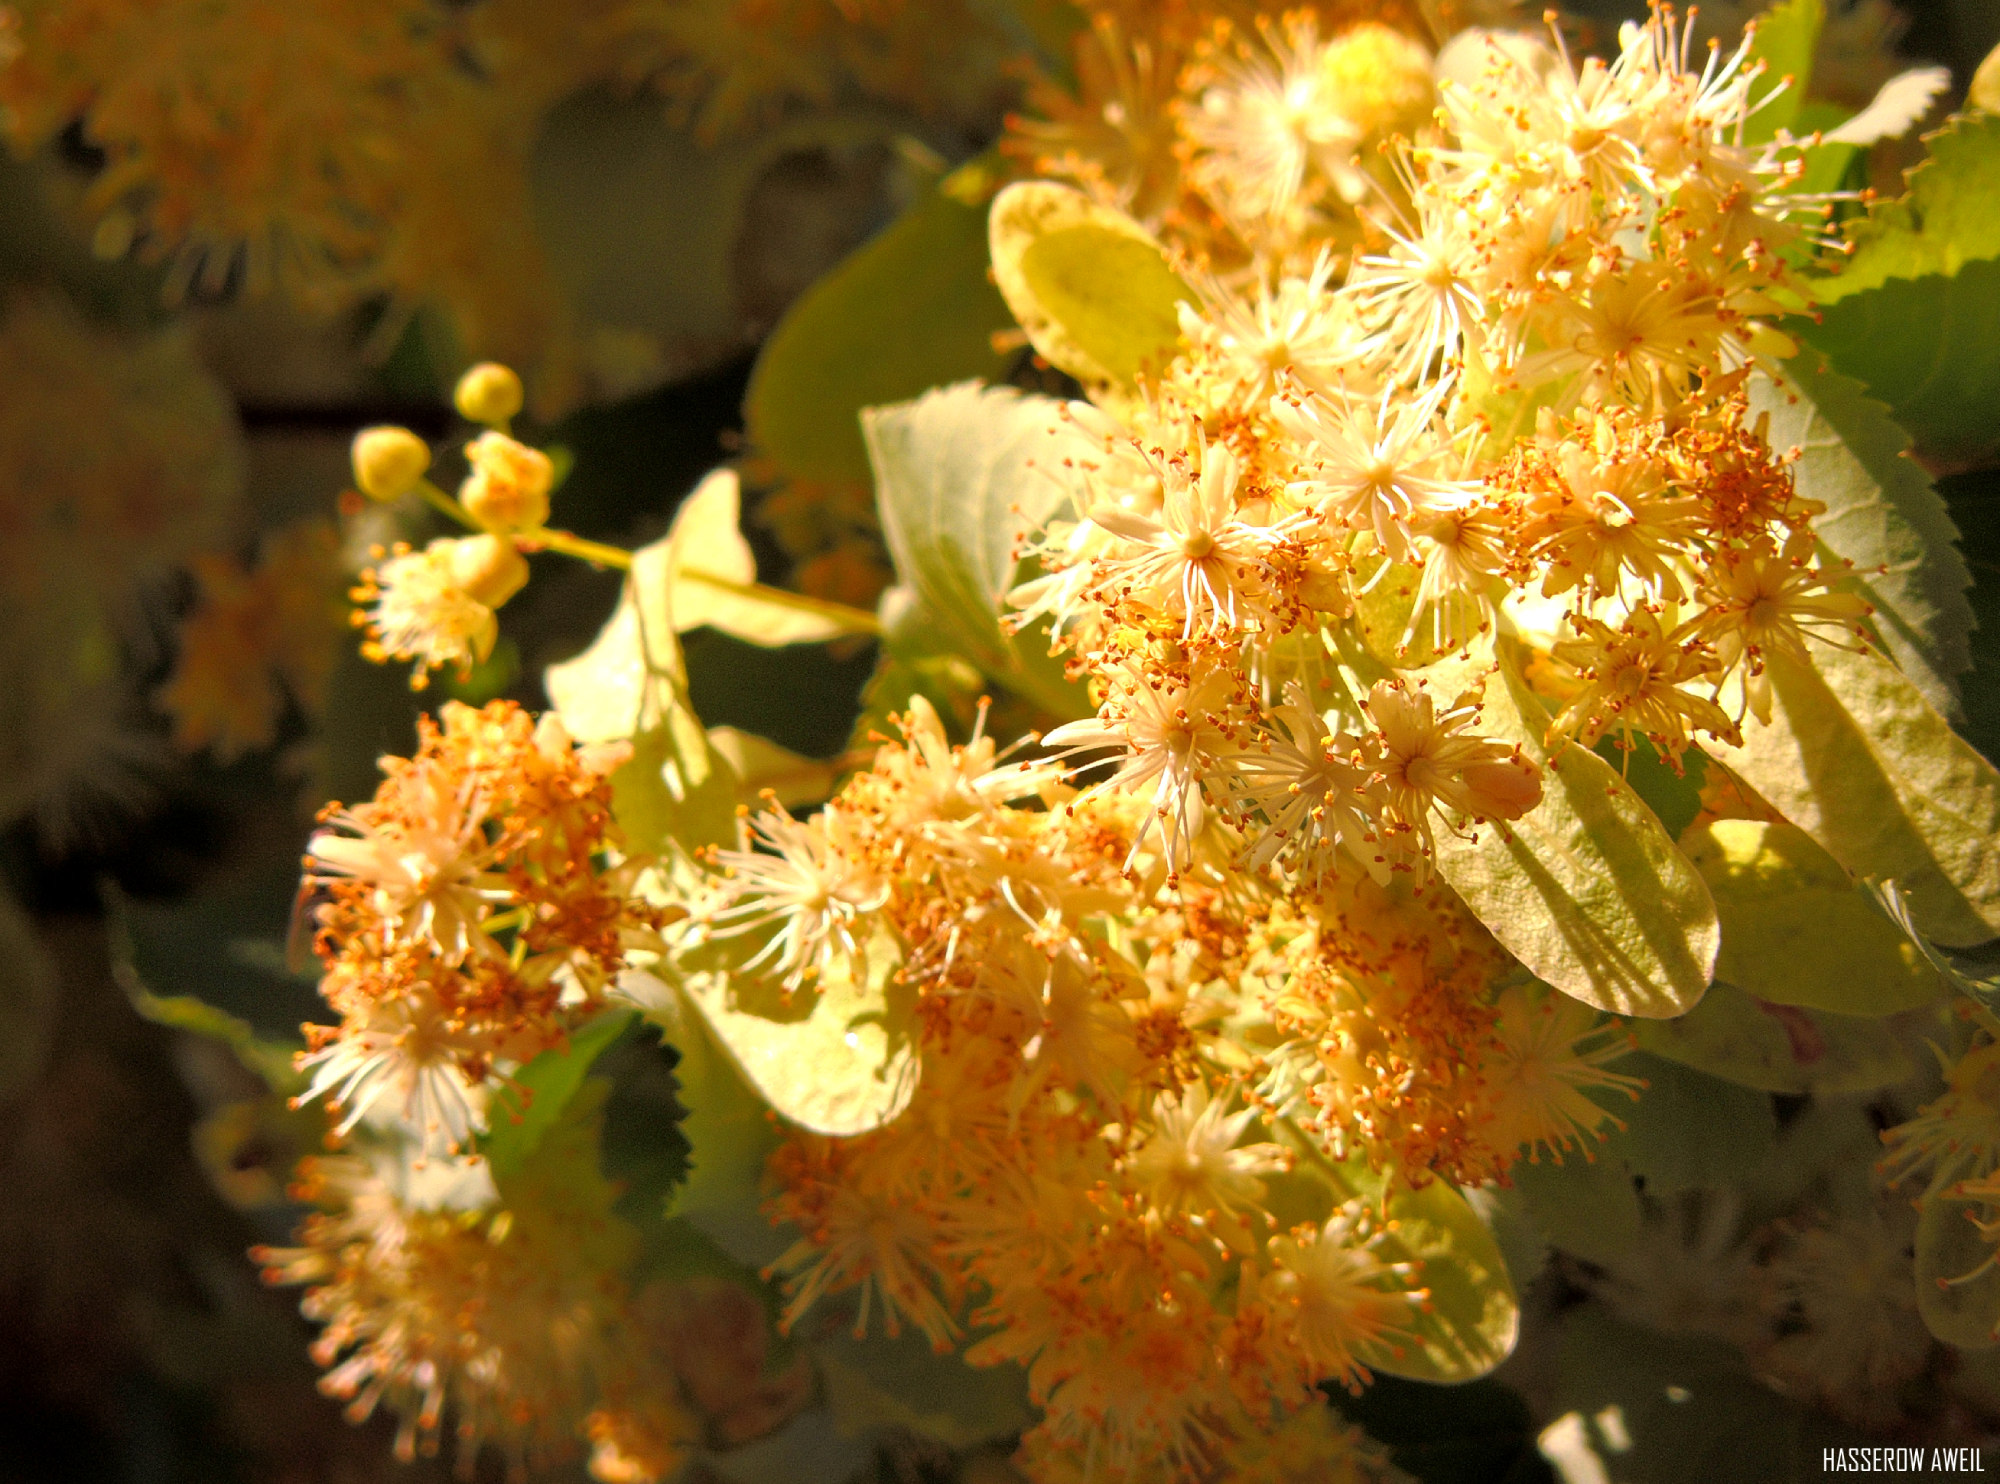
[1778, 1048]
[712, 578]
[728, 1126]
[1949, 1249]
[901, 1383]
[961, 474]
[1945, 220]
[1587, 890]
[1474, 1317]
[1856, 756]
[1649, 1408]
[1091, 287]
[835, 1058]
[1930, 349]
[907, 311]
[1690, 1130]
[1585, 1204]
[1881, 514]
[760, 764]
[1796, 930]
[1674, 798]
[1786, 36]
[631, 684]
[540, 1092]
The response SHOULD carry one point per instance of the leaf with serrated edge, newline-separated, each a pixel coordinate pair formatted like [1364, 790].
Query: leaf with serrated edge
[1949, 1250]
[961, 473]
[1858, 758]
[1796, 930]
[1945, 219]
[535, 1097]
[1090, 285]
[1587, 890]
[1930, 349]
[1778, 1048]
[1881, 513]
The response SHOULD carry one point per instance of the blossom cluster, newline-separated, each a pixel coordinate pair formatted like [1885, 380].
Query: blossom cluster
[473, 912]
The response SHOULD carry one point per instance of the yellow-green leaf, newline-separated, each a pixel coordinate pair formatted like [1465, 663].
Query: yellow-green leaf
[1474, 1317]
[1796, 930]
[1786, 36]
[1778, 1048]
[909, 310]
[1949, 1250]
[712, 578]
[1945, 219]
[835, 1058]
[961, 473]
[1857, 757]
[761, 764]
[1587, 890]
[1091, 287]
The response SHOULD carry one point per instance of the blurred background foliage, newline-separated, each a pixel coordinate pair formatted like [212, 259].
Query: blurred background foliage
[230, 234]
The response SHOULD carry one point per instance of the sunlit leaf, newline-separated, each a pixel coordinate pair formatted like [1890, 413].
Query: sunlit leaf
[1857, 757]
[909, 310]
[1898, 106]
[1946, 218]
[1474, 1317]
[1587, 890]
[1881, 514]
[1090, 285]
[760, 764]
[1778, 1048]
[960, 474]
[1786, 36]
[1796, 930]
[835, 1057]
[1930, 349]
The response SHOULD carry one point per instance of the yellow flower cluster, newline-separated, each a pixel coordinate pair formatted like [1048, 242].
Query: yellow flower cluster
[1074, 1179]
[474, 911]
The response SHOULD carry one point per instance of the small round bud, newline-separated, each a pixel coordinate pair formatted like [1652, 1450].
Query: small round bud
[388, 462]
[508, 488]
[488, 393]
[488, 569]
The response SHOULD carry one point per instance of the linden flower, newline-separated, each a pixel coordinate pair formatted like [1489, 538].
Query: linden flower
[1429, 761]
[1546, 1055]
[1299, 332]
[1632, 683]
[1373, 469]
[508, 488]
[1761, 601]
[1191, 1163]
[422, 855]
[1957, 1137]
[1172, 738]
[1271, 119]
[435, 606]
[931, 780]
[1315, 792]
[1195, 560]
[1424, 291]
[411, 1050]
[1611, 515]
[806, 887]
[1346, 1303]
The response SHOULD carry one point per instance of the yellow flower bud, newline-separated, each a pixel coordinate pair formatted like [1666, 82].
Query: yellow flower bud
[488, 393]
[508, 488]
[388, 462]
[487, 569]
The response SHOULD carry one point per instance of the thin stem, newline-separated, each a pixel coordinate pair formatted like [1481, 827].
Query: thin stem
[595, 552]
[445, 503]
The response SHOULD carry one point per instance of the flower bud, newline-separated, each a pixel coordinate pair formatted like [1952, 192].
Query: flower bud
[508, 488]
[488, 393]
[488, 569]
[388, 462]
